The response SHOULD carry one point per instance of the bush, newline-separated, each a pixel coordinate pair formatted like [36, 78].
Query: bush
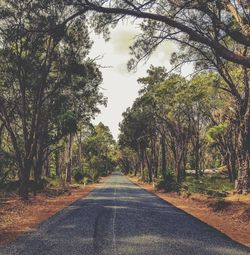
[168, 184]
[94, 176]
[41, 185]
[78, 176]
[215, 185]
[86, 180]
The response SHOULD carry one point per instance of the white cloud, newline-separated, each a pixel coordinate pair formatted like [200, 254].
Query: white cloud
[120, 86]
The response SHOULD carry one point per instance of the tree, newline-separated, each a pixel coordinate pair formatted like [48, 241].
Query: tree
[99, 151]
[47, 85]
[175, 18]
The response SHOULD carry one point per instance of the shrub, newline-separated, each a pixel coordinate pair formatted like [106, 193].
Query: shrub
[78, 176]
[86, 180]
[168, 184]
[94, 176]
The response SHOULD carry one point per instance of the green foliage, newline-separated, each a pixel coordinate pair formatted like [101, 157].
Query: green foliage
[13, 186]
[99, 152]
[47, 81]
[169, 184]
[216, 131]
[68, 123]
[215, 185]
[78, 176]
[7, 166]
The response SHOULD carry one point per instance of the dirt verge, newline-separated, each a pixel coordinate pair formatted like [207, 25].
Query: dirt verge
[17, 216]
[231, 215]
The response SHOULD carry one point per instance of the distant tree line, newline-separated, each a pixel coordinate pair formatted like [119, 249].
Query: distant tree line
[179, 124]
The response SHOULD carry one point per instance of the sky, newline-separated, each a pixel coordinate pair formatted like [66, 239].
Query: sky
[119, 85]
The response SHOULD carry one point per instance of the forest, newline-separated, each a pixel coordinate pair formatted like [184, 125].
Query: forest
[181, 130]
[178, 130]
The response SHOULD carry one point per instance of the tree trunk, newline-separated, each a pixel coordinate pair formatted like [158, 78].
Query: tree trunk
[69, 143]
[142, 165]
[178, 163]
[178, 171]
[231, 165]
[57, 163]
[150, 177]
[24, 179]
[184, 164]
[197, 159]
[163, 157]
[47, 164]
[242, 182]
[79, 150]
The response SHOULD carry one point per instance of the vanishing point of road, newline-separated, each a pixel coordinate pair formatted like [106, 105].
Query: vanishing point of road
[119, 218]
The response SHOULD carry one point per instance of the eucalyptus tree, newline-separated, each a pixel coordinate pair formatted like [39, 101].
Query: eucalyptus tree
[127, 160]
[47, 85]
[234, 81]
[155, 76]
[139, 132]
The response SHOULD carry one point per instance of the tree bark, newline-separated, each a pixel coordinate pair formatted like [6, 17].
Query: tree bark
[163, 157]
[47, 164]
[24, 179]
[57, 163]
[242, 182]
[69, 143]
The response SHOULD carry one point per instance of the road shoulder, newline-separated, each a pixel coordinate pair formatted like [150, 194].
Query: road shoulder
[18, 217]
[234, 220]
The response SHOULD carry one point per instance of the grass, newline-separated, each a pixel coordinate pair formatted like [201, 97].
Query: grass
[215, 185]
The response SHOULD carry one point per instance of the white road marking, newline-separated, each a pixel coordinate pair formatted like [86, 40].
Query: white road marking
[113, 223]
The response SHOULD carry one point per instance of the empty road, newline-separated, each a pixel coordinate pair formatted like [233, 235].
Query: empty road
[120, 218]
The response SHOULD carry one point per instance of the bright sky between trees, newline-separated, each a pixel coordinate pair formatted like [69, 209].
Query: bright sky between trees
[119, 85]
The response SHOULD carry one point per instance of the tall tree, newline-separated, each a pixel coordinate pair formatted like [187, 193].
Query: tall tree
[43, 70]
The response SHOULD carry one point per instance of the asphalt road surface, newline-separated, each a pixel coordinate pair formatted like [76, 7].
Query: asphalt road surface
[120, 218]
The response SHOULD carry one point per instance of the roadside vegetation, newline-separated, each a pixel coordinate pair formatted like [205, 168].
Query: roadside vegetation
[182, 135]
[49, 93]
